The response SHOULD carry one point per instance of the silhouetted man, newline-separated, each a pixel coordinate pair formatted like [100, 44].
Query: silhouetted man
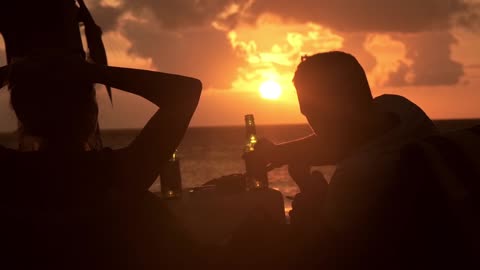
[362, 136]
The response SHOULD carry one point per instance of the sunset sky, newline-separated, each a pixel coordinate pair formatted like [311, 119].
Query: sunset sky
[426, 50]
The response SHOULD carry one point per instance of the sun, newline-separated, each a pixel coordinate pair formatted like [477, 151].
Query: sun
[270, 90]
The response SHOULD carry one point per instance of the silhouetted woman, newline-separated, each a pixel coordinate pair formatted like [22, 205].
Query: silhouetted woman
[66, 206]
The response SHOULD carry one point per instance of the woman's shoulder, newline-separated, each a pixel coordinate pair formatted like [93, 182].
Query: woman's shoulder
[100, 157]
[5, 151]
[103, 154]
[7, 156]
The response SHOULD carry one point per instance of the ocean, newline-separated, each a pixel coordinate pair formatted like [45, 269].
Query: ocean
[210, 152]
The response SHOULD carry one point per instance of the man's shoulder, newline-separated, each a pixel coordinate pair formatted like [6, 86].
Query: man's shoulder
[391, 97]
[412, 123]
[368, 167]
[399, 105]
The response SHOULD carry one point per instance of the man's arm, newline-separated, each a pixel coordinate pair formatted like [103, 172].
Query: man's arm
[310, 150]
[298, 151]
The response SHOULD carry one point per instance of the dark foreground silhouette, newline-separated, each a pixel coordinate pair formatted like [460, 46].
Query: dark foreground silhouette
[64, 183]
[402, 195]
[65, 207]
[383, 207]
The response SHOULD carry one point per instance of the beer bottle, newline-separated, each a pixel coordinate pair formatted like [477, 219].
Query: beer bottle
[170, 178]
[256, 174]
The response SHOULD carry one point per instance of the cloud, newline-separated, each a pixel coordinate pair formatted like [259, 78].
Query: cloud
[372, 15]
[431, 63]
[177, 36]
[354, 43]
[429, 21]
[107, 17]
[473, 66]
[272, 52]
[470, 19]
[343, 15]
[182, 35]
[176, 14]
[199, 52]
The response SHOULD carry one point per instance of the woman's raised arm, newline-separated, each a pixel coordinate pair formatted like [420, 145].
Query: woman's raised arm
[177, 96]
[137, 165]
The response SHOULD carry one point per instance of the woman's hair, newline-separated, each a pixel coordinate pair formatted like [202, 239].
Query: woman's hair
[55, 112]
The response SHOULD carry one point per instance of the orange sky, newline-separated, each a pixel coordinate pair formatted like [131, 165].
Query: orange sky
[235, 46]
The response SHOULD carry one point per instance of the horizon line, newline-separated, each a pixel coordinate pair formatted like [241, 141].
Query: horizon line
[241, 125]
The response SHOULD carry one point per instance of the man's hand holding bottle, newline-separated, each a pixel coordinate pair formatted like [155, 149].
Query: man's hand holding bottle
[265, 152]
[268, 153]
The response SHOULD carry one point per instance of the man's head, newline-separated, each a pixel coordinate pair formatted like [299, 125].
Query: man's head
[333, 92]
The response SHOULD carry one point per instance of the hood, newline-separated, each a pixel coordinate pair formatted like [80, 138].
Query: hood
[413, 124]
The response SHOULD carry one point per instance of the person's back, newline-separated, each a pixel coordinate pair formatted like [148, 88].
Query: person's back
[62, 209]
[362, 136]
[443, 172]
[70, 206]
[52, 206]
[363, 211]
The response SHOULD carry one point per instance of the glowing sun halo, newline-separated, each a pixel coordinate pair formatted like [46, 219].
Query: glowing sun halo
[270, 90]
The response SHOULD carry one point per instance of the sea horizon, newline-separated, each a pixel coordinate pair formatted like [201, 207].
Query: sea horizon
[458, 122]
[465, 121]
